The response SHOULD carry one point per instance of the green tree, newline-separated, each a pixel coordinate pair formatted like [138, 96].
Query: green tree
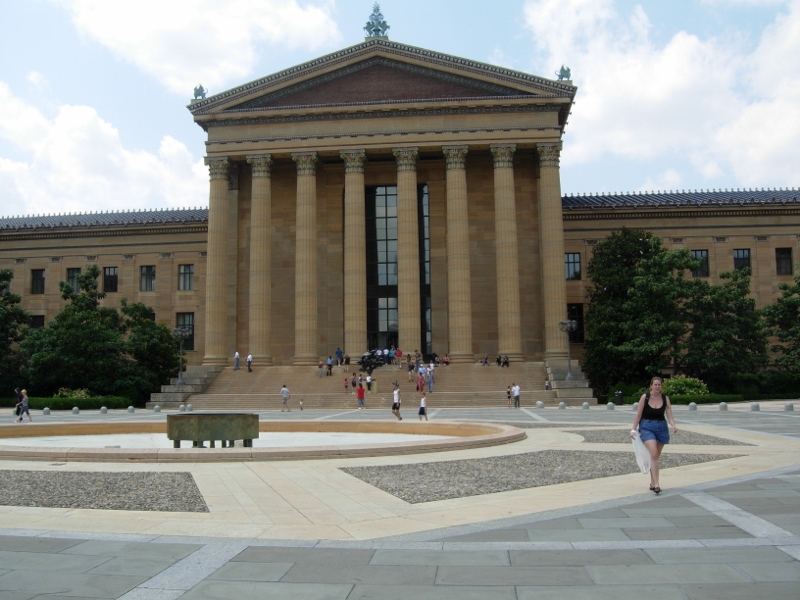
[611, 270]
[726, 332]
[151, 345]
[90, 346]
[656, 305]
[13, 321]
[783, 322]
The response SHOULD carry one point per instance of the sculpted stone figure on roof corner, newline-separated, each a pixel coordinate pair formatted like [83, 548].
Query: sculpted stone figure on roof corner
[199, 92]
[564, 73]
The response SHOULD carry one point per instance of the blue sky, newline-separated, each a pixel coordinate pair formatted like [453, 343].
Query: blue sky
[673, 95]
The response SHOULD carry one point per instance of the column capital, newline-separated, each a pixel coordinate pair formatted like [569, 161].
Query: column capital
[455, 156]
[353, 160]
[549, 154]
[217, 167]
[306, 162]
[406, 158]
[260, 164]
[503, 155]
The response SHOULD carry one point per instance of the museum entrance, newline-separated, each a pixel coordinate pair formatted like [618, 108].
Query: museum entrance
[381, 239]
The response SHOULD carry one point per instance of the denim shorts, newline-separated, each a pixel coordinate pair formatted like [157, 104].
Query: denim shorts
[654, 430]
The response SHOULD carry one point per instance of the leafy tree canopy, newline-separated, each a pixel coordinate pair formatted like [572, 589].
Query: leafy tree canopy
[90, 346]
[783, 321]
[13, 322]
[646, 312]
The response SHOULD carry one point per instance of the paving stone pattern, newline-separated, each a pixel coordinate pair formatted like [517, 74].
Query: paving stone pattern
[726, 540]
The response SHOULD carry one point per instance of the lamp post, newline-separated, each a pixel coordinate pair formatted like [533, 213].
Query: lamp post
[568, 327]
[182, 333]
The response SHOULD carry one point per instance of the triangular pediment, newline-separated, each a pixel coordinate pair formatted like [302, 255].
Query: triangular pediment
[380, 72]
[379, 80]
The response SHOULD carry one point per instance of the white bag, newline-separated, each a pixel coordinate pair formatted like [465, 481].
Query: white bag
[641, 452]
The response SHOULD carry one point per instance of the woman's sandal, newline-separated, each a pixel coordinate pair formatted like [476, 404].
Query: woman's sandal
[652, 489]
[657, 490]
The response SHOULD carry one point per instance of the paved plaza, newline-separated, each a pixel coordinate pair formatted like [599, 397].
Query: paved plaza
[726, 527]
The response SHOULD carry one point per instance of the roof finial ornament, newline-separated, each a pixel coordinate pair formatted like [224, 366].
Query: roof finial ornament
[376, 27]
[199, 92]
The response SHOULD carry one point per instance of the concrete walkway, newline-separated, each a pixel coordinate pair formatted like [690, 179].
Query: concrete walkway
[721, 529]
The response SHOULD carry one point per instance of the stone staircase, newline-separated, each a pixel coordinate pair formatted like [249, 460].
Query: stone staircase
[459, 385]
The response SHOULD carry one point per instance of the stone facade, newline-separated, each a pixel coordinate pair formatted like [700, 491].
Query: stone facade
[279, 259]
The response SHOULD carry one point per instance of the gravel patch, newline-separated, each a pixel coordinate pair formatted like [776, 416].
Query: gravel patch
[169, 492]
[416, 483]
[622, 436]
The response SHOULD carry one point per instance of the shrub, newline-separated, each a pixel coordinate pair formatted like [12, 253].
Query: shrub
[109, 402]
[68, 393]
[696, 398]
[680, 385]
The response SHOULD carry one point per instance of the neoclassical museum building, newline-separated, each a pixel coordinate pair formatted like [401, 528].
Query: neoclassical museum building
[386, 195]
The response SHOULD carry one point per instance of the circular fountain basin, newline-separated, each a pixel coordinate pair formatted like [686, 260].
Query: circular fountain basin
[287, 440]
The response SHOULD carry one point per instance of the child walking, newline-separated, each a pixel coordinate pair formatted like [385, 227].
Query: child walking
[423, 410]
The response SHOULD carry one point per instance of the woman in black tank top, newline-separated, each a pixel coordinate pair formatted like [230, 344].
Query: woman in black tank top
[650, 424]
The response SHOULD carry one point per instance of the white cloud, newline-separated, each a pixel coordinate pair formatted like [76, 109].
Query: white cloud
[713, 106]
[76, 162]
[182, 43]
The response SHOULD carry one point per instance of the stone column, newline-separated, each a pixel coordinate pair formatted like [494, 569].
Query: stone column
[408, 288]
[551, 234]
[355, 254]
[305, 287]
[216, 271]
[260, 260]
[459, 294]
[506, 250]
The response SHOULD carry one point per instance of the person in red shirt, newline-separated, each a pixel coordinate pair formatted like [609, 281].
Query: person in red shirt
[360, 396]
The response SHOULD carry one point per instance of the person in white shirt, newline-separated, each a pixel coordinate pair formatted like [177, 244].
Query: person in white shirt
[396, 403]
[515, 392]
[236, 361]
[423, 411]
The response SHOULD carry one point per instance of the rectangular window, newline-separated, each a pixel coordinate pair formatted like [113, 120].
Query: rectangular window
[110, 279]
[72, 279]
[741, 259]
[783, 261]
[37, 321]
[702, 256]
[148, 279]
[575, 313]
[572, 266]
[185, 277]
[186, 320]
[37, 281]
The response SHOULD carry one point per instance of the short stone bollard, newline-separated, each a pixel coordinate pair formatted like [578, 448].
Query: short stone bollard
[692, 405]
[539, 404]
[789, 407]
[755, 407]
[156, 408]
[723, 406]
[585, 406]
[75, 410]
[46, 411]
[610, 406]
[189, 408]
[103, 410]
[635, 406]
[182, 408]
[562, 405]
[131, 409]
